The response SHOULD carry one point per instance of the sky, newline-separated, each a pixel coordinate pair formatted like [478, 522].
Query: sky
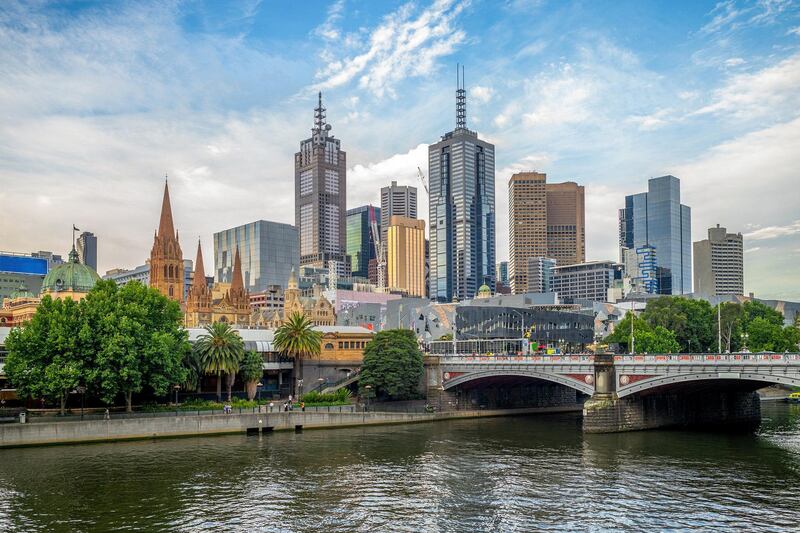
[99, 100]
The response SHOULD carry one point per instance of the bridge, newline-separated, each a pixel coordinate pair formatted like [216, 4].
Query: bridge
[625, 392]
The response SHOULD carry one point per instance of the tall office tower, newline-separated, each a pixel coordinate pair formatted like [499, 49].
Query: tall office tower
[87, 249]
[566, 233]
[540, 274]
[320, 169]
[405, 255]
[527, 225]
[657, 227]
[268, 253]
[397, 200]
[166, 258]
[719, 264]
[361, 246]
[462, 218]
[501, 272]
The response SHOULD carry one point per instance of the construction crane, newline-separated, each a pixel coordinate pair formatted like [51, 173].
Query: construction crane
[423, 180]
[381, 253]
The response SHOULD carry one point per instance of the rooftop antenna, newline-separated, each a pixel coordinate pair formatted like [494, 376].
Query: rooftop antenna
[461, 98]
[319, 117]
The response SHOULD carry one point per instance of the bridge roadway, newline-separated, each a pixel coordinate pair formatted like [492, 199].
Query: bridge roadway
[632, 373]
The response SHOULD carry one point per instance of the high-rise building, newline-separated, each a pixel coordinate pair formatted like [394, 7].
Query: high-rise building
[87, 249]
[166, 257]
[566, 232]
[21, 273]
[501, 272]
[268, 252]
[321, 197]
[462, 210]
[397, 200]
[527, 225]
[540, 274]
[719, 263]
[658, 228]
[361, 245]
[585, 281]
[405, 256]
[545, 220]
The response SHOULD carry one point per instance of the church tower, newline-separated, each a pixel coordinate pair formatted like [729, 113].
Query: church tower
[198, 302]
[166, 257]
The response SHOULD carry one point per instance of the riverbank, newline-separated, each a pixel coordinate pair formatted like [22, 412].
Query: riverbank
[53, 433]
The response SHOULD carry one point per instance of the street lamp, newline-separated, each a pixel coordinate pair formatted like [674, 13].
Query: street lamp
[367, 394]
[177, 388]
[745, 336]
[82, 391]
[258, 388]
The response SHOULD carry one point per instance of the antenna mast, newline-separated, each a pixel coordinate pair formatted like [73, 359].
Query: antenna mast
[461, 98]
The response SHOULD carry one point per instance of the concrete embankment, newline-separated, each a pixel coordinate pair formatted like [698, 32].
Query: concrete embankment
[48, 433]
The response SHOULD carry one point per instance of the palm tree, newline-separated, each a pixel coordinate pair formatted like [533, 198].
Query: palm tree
[296, 339]
[221, 350]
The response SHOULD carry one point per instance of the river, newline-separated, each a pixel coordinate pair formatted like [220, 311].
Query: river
[500, 474]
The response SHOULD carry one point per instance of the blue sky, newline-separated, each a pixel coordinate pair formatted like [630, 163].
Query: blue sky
[99, 99]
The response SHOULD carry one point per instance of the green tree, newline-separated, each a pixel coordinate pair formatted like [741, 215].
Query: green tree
[297, 339]
[731, 316]
[193, 363]
[48, 357]
[393, 365]
[647, 339]
[252, 370]
[221, 349]
[137, 341]
[692, 321]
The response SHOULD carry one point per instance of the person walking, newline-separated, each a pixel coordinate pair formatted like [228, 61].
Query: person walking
[107, 415]
[303, 406]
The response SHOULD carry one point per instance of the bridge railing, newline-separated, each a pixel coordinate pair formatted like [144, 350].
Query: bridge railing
[517, 358]
[742, 358]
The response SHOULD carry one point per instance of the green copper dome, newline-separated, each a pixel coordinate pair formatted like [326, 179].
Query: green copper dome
[484, 291]
[71, 276]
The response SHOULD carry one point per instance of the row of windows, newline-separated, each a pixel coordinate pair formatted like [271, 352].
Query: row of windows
[348, 345]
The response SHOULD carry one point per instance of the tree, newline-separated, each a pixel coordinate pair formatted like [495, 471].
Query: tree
[48, 357]
[221, 350]
[193, 363]
[252, 370]
[137, 341]
[297, 339]
[646, 338]
[731, 316]
[393, 365]
[692, 321]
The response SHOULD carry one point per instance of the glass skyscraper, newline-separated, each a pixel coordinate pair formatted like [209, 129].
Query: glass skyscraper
[360, 244]
[268, 251]
[657, 227]
[462, 217]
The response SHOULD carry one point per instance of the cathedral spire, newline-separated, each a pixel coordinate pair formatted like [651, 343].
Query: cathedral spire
[199, 270]
[165, 225]
[237, 283]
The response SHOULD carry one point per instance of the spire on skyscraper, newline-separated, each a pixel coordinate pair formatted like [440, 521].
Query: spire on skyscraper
[320, 129]
[461, 98]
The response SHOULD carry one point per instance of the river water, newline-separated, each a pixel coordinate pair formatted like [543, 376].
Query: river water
[503, 474]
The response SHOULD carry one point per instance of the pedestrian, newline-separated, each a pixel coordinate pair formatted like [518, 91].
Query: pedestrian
[107, 415]
[270, 407]
[303, 406]
[285, 406]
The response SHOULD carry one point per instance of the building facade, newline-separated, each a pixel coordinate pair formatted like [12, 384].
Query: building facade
[405, 256]
[540, 274]
[462, 211]
[231, 305]
[658, 228]
[719, 263]
[87, 249]
[397, 200]
[166, 257]
[566, 223]
[121, 276]
[585, 281]
[268, 252]
[321, 196]
[21, 272]
[361, 243]
[527, 225]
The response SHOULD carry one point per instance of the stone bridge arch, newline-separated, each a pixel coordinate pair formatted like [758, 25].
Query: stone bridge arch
[567, 381]
[664, 381]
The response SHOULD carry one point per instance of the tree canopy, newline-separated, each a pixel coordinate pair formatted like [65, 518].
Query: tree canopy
[646, 338]
[393, 365]
[297, 339]
[221, 350]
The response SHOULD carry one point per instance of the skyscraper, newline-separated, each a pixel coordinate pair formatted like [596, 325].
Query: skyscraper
[462, 217]
[540, 274]
[268, 253]
[501, 273]
[361, 245]
[397, 200]
[657, 227]
[405, 256]
[320, 197]
[87, 249]
[719, 264]
[527, 225]
[566, 233]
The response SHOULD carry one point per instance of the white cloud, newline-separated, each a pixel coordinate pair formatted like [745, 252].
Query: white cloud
[773, 232]
[403, 45]
[560, 100]
[772, 90]
[652, 121]
[481, 94]
[751, 250]
[328, 30]
[724, 15]
[533, 49]
[794, 31]
[734, 62]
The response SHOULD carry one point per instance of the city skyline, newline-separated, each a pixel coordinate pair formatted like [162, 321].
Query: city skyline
[723, 101]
